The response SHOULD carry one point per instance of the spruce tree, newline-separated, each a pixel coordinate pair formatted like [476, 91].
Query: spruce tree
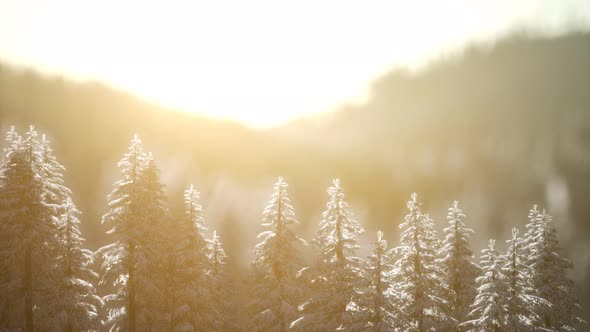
[276, 262]
[376, 304]
[77, 303]
[489, 309]
[151, 265]
[189, 287]
[71, 291]
[9, 279]
[561, 311]
[338, 271]
[420, 278]
[221, 288]
[136, 214]
[456, 260]
[30, 228]
[520, 302]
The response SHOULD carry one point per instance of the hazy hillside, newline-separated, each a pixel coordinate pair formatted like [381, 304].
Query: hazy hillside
[503, 119]
[499, 127]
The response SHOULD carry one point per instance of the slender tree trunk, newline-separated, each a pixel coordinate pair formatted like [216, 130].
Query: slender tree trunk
[172, 318]
[28, 290]
[28, 277]
[131, 286]
[340, 261]
[173, 299]
[131, 282]
[419, 292]
[420, 311]
[378, 289]
[277, 272]
[69, 275]
[69, 327]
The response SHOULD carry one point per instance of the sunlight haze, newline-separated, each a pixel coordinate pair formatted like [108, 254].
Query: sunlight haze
[258, 165]
[261, 63]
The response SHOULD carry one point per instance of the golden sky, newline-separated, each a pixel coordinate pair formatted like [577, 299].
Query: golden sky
[258, 62]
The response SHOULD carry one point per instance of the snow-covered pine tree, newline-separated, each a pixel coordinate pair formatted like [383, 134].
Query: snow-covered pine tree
[420, 278]
[489, 309]
[221, 288]
[56, 315]
[29, 226]
[71, 292]
[562, 310]
[9, 302]
[135, 215]
[456, 260]
[152, 272]
[118, 265]
[520, 302]
[377, 305]
[277, 260]
[338, 271]
[76, 305]
[189, 290]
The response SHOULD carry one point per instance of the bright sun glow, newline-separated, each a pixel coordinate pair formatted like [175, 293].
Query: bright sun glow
[258, 62]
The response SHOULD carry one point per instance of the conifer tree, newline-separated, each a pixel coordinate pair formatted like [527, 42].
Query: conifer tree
[456, 255]
[421, 280]
[377, 307]
[135, 215]
[222, 295]
[520, 302]
[276, 263]
[8, 278]
[76, 305]
[60, 285]
[561, 311]
[151, 266]
[29, 225]
[489, 309]
[338, 271]
[71, 293]
[189, 287]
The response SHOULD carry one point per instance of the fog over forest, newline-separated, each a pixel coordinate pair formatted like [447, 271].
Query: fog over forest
[498, 126]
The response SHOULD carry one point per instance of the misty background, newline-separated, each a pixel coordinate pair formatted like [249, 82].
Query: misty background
[498, 126]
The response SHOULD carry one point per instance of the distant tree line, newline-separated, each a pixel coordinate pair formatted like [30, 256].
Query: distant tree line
[166, 274]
